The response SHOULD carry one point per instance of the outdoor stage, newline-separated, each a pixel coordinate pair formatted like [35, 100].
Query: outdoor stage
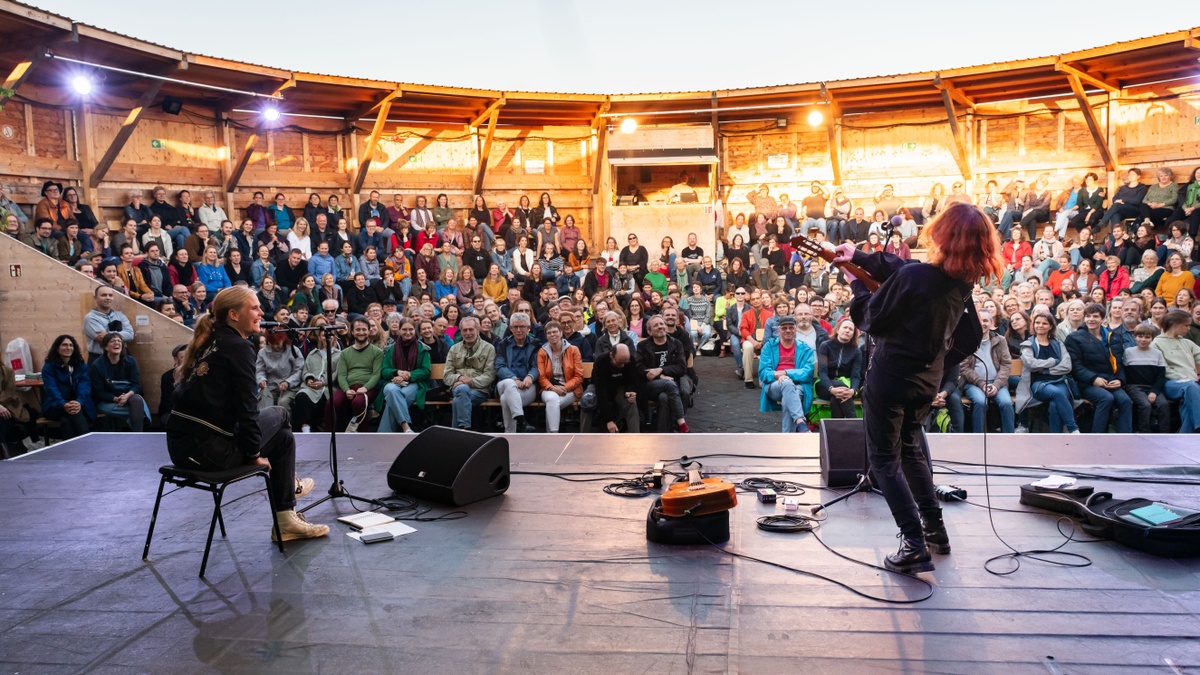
[557, 577]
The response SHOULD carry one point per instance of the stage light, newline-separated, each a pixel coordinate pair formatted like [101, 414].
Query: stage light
[628, 125]
[270, 114]
[82, 85]
[815, 118]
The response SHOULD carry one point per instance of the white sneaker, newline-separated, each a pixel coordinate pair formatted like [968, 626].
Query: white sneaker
[303, 486]
[1074, 432]
[1021, 429]
[294, 526]
[305, 428]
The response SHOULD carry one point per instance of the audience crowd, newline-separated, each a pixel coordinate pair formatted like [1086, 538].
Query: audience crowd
[513, 309]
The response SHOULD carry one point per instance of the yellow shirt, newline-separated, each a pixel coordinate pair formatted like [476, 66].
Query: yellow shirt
[1169, 285]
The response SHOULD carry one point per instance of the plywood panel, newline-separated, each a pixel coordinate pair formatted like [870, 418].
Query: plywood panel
[12, 116]
[289, 151]
[323, 153]
[180, 142]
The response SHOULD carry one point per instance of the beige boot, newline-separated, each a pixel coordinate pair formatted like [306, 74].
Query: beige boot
[303, 486]
[294, 526]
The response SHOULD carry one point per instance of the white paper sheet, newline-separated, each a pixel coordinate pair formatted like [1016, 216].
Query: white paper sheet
[396, 528]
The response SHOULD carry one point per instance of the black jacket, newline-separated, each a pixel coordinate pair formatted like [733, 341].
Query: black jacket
[836, 359]
[673, 362]
[110, 381]
[609, 380]
[922, 320]
[1090, 357]
[219, 395]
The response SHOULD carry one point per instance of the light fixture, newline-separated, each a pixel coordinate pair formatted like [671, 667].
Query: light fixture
[628, 125]
[270, 113]
[82, 85]
[781, 122]
[815, 118]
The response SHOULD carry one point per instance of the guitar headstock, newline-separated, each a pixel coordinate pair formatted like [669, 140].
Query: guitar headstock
[809, 247]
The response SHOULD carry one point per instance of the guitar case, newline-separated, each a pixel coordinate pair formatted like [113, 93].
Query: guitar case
[1103, 516]
[712, 528]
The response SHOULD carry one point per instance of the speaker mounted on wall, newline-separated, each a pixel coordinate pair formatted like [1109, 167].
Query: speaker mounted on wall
[451, 466]
[172, 105]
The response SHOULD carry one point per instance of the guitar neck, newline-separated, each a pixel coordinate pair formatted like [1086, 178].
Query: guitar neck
[828, 256]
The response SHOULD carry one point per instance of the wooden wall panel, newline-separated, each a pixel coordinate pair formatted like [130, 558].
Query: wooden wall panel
[323, 153]
[1159, 132]
[288, 147]
[13, 116]
[49, 129]
[184, 144]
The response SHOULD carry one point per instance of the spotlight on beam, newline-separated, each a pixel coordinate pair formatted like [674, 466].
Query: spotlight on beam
[628, 125]
[815, 118]
[82, 85]
[270, 113]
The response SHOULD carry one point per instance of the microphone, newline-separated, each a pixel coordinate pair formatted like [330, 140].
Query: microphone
[269, 324]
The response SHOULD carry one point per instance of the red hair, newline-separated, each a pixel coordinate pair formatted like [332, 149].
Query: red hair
[963, 242]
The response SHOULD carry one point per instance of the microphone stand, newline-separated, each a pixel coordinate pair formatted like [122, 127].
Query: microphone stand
[338, 488]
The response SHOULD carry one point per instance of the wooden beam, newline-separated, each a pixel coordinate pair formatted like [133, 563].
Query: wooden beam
[87, 158]
[1084, 76]
[835, 141]
[960, 146]
[243, 160]
[599, 117]
[21, 72]
[1191, 42]
[360, 173]
[367, 109]
[123, 134]
[487, 114]
[1089, 116]
[955, 93]
[601, 150]
[487, 150]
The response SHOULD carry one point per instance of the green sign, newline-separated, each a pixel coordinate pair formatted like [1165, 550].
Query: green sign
[910, 146]
[1196, 120]
[414, 159]
[157, 144]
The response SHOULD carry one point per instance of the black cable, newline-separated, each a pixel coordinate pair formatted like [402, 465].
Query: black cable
[781, 487]
[787, 524]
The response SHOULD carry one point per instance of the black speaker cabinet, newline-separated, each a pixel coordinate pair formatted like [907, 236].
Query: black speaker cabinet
[843, 451]
[451, 466]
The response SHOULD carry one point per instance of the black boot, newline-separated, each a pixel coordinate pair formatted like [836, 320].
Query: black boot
[912, 557]
[936, 537]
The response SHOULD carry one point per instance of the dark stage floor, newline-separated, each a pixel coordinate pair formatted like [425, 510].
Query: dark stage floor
[557, 577]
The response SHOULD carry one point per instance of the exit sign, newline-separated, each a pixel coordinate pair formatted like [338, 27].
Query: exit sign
[910, 146]
[157, 144]
[1196, 120]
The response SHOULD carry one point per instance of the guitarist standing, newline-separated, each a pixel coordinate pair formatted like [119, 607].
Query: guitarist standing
[922, 320]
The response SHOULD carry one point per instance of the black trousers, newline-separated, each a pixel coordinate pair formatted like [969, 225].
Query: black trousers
[69, 426]
[894, 409]
[304, 411]
[838, 409]
[1144, 412]
[214, 452]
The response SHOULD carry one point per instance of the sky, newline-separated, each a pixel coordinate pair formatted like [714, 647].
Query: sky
[621, 46]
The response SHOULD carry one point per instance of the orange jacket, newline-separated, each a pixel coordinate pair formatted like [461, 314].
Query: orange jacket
[572, 369]
[747, 326]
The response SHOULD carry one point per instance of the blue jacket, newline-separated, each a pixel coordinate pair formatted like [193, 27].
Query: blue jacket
[258, 270]
[803, 374]
[503, 261]
[320, 265]
[60, 385]
[345, 268]
[213, 277]
[516, 362]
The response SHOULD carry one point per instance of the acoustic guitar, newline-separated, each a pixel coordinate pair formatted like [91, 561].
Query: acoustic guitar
[698, 496]
[812, 249]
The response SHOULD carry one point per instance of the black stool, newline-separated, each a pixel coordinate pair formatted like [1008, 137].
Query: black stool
[215, 483]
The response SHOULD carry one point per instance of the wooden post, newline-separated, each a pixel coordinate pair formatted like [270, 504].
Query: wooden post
[601, 152]
[29, 145]
[123, 134]
[360, 174]
[960, 146]
[87, 157]
[834, 130]
[487, 150]
[1115, 178]
[1089, 116]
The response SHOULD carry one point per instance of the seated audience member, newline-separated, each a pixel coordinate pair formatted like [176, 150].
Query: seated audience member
[470, 372]
[984, 378]
[1127, 203]
[948, 401]
[309, 407]
[117, 384]
[277, 371]
[1146, 373]
[699, 315]
[406, 370]
[517, 374]
[42, 237]
[438, 348]
[1161, 197]
[617, 378]
[13, 412]
[67, 388]
[752, 321]
[1099, 371]
[839, 370]
[155, 273]
[1046, 367]
[356, 379]
[786, 371]
[1182, 358]
[102, 320]
[1174, 278]
[560, 373]
[662, 359]
[1114, 278]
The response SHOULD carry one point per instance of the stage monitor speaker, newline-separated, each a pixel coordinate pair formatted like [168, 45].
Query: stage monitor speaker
[843, 451]
[172, 105]
[451, 466]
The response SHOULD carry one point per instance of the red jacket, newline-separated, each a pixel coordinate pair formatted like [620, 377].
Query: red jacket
[749, 323]
[1113, 283]
[1014, 252]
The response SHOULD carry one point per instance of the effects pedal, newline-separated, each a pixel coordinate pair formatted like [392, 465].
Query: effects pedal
[766, 496]
[656, 476]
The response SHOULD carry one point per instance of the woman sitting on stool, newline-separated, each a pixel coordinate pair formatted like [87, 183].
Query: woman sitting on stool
[117, 384]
